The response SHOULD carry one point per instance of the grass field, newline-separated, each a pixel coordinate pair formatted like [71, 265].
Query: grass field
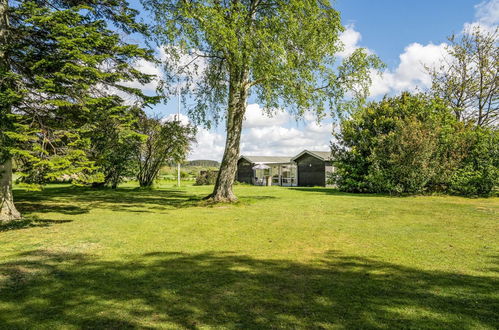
[281, 258]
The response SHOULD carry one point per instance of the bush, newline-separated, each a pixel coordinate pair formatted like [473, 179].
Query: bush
[479, 171]
[394, 146]
[206, 178]
[414, 144]
[405, 160]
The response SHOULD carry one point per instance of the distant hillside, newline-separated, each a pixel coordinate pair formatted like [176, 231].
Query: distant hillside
[203, 163]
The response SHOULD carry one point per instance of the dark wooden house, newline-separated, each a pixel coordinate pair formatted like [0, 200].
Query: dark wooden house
[313, 167]
[245, 171]
[308, 168]
[273, 170]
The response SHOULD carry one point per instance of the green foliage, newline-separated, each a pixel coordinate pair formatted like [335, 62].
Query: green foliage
[206, 178]
[406, 159]
[413, 144]
[164, 143]
[286, 50]
[479, 171]
[115, 141]
[64, 62]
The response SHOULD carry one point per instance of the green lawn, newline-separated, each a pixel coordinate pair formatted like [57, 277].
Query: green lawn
[281, 258]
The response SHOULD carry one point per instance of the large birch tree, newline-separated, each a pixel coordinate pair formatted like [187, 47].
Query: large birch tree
[281, 52]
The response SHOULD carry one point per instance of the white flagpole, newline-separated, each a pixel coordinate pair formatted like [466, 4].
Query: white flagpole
[178, 119]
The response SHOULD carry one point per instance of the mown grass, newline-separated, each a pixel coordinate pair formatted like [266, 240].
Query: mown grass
[280, 258]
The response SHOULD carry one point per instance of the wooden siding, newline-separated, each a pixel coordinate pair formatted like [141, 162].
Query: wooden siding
[244, 171]
[311, 171]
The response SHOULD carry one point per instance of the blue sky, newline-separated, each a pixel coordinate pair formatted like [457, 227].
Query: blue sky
[405, 34]
[388, 26]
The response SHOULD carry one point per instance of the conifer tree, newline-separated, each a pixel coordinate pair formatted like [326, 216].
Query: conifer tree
[61, 63]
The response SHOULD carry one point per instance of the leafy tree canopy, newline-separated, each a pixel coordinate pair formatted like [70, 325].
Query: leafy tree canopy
[165, 142]
[283, 53]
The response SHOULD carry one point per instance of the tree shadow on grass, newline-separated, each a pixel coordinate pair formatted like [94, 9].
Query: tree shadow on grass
[223, 290]
[28, 207]
[29, 223]
[73, 201]
[495, 264]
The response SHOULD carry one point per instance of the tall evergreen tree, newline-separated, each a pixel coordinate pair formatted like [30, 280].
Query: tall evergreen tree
[61, 61]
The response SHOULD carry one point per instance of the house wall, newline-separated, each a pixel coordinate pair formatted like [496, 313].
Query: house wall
[244, 171]
[311, 171]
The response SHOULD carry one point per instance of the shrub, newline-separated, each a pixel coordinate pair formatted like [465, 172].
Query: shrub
[405, 160]
[206, 178]
[393, 146]
[414, 144]
[479, 171]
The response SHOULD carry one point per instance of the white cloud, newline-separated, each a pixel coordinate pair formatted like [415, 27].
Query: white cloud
[280, 135]
[142, 65]
[209, 145]
[410, 74]
[257, 117]
[487, 12]
[288, 139]
[285, 141]
[173, 117]
[147, 68]
[350, 39]
[486, 17]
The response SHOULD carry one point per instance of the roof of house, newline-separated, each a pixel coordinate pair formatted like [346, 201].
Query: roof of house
[266, 159]
[322, 155]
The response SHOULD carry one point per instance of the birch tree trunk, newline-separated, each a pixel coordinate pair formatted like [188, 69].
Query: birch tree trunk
[238, 95]
[8, 211]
